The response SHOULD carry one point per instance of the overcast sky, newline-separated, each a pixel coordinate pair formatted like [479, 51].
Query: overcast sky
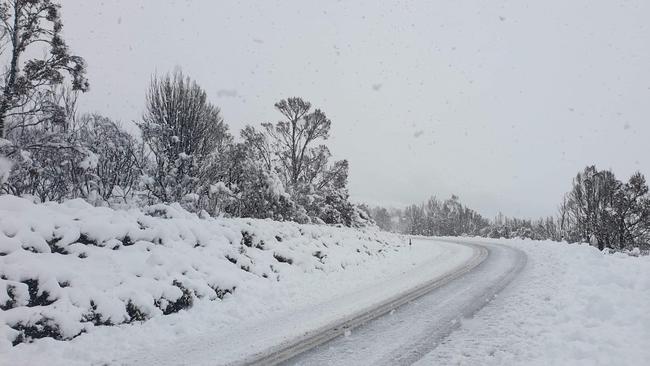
[499, 102]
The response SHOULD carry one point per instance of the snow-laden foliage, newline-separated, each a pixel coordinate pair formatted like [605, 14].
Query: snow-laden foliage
[5, 169]
[182, 152]
[187, 138]
[317, 185]
[67, 268]
[30, 28]
[186, 156]
[91, 157]
[607, 212]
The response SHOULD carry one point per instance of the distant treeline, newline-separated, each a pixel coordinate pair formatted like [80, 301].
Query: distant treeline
[432, 218]
[599, 209]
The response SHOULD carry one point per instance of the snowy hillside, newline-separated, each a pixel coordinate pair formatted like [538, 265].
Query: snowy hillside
[69, 269]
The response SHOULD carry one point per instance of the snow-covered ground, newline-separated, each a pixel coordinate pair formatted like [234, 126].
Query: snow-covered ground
[572, 305]
[165, 286]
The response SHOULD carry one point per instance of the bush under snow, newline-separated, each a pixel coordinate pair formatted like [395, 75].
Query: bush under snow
[5, 169]
[66, 268]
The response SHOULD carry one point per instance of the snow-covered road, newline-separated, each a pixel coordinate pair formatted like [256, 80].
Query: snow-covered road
[396, 321]
[276, 338]
[566, 304]
[300, 286]
[411, 331]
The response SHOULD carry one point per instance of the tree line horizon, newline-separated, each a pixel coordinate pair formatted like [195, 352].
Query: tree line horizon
[598, 209]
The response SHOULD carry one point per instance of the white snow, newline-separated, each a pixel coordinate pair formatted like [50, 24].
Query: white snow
[220, 187]
[572, 305]
[90, 161]
[92, 262]
[255, 283]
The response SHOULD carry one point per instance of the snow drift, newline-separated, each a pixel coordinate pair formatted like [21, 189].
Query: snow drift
[68, 268]
[572, 305]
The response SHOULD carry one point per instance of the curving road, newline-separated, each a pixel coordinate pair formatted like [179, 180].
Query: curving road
[396, 322]
[406, 334]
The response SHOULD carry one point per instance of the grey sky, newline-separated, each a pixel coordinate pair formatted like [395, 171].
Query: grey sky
[500, 102]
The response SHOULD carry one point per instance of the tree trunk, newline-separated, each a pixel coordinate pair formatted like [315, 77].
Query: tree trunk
[13, 71]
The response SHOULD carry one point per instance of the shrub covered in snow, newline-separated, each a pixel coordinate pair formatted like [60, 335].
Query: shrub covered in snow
[66, 268]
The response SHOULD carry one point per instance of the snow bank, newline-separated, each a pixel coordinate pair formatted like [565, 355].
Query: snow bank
[572, 305]
[71, 268]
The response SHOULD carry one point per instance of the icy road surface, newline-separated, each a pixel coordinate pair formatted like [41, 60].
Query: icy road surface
[408, 333]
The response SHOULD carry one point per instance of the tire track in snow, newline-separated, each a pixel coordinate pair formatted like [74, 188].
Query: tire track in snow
[320, 336]
[404, 336]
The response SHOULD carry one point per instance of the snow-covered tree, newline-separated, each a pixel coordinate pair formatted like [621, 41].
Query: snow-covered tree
[90, 157]
[313, 182]
[250, 186]
[631, 213]
[382, 218]
[186, 136]
[34, 25]
[295, 136]
[116, 159]
[45, 150]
